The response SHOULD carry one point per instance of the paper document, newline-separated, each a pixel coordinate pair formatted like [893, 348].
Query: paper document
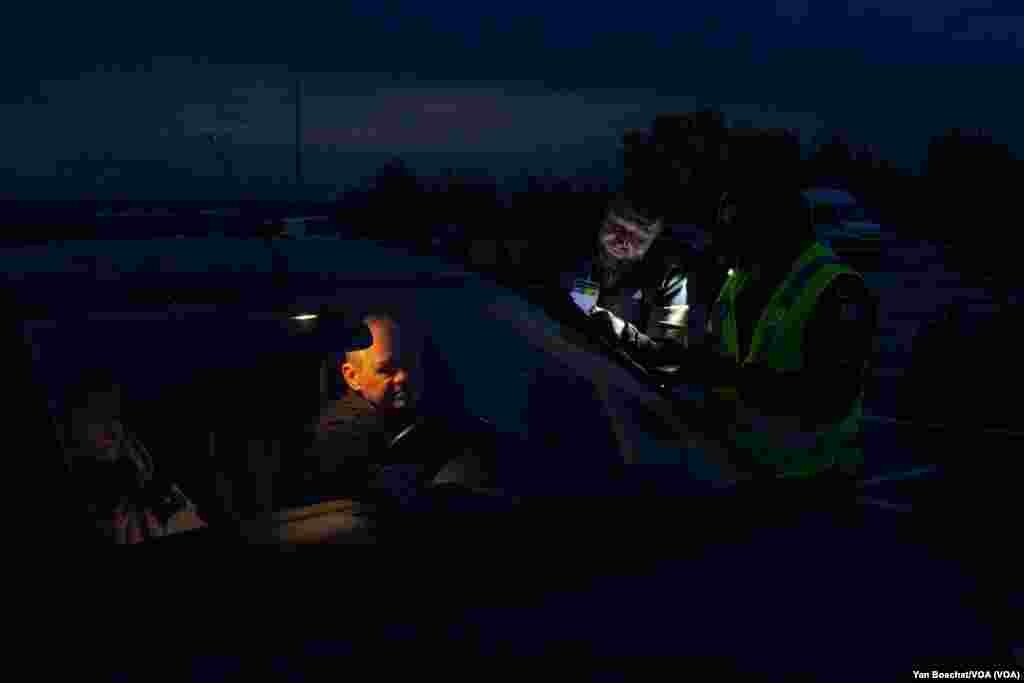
[585, 294]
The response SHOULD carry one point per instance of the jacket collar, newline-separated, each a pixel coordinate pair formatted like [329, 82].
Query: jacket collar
[353, 412]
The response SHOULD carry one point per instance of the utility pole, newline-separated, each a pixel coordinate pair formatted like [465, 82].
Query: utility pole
[220, 137]
[299, 182]
[216, 140]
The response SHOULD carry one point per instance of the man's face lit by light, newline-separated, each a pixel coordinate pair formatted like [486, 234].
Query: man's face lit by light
[626, 240]
[387, 374]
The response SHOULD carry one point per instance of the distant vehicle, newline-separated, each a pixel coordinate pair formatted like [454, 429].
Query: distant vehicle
[220, 212]
[303, 227]
[842, 223]
[837, 213]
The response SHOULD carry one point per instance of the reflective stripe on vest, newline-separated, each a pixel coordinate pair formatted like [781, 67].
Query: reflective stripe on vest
[788, 297]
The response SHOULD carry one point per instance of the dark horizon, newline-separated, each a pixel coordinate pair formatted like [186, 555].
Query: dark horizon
[534, 87]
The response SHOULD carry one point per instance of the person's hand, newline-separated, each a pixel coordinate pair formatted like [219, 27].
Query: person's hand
[185, 519]
[725, 394]
[610, 324]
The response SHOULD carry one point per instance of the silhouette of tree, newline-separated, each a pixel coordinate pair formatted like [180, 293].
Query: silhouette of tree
[766, 162]
[395, 201]
[678, 165]
[471, 198]
[966, 159]
[892, 193]
[637, 157]
[771, 153]
[968, 179]
[690, 153]
[864, 174]
[831, 161]
[395, 178]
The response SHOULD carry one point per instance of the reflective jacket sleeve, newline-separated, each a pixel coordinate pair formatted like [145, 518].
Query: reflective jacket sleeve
[662, 343]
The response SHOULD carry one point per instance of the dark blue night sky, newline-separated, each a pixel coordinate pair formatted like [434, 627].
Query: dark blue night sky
[543, 85]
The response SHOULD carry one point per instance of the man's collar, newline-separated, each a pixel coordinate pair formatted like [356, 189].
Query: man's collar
[358, 402]
[603, 264]
[392, 423]
[779, 267]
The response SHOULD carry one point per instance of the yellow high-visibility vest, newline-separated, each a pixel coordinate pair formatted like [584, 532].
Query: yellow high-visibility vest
[777, 344]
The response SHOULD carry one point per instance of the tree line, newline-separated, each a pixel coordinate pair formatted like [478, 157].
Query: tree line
[689, 158]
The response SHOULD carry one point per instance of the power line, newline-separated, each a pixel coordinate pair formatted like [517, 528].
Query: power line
[299, 180]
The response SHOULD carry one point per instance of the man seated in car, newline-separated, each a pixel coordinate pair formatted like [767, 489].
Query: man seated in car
[115, 484]
[382, 442]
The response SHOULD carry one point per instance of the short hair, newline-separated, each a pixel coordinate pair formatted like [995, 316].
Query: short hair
[90, 381]
[637, 207]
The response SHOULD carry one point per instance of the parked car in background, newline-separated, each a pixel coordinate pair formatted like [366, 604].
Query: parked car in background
[306, 227]
[845, 225]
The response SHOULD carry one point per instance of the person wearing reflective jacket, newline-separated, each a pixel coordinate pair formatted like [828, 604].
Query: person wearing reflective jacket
[789, 339]
[633, 287]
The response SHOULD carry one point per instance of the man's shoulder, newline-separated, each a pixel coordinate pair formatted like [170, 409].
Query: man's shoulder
[844, 320]
[348, 413]
[667, 271]
[847, 299]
